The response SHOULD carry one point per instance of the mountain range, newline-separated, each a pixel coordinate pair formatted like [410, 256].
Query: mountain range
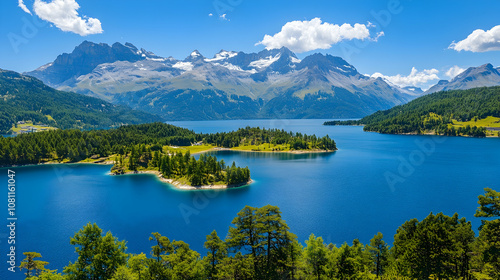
[231, 85]
[483, 76]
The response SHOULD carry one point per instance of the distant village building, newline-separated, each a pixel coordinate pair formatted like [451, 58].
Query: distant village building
[28, 129]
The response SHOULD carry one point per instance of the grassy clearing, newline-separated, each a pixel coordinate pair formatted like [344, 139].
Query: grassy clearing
[191, 149]
[263, 148]
[30, 124]
[486, 122]
[88, 160]
[100, 160]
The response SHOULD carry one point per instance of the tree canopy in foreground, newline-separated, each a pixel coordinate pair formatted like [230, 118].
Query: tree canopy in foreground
[260, 245]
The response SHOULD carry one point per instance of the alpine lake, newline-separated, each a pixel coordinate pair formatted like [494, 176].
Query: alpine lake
[373, 183]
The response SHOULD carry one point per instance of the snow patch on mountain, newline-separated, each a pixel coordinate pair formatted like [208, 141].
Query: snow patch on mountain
[264, 62]
[221, 56]
[235, 67]
[43, 67]
[186, 66]
[156, 59]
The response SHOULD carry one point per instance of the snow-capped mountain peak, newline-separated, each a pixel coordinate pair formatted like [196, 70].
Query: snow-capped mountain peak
[222, 55]
[195, 54]
[229, 85]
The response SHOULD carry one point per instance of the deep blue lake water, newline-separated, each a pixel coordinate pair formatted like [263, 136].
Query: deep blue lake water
[373, 183]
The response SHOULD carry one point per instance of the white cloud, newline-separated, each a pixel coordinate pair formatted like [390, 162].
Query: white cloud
[380, 34]
[479, 41]
[416, 78]
[223, 17]
[454, 71]
[64, 15]
[23, 6]
[303, 36]
[210, 14]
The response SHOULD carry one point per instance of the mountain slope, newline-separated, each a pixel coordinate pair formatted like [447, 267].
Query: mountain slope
[26, 98]
[483, 76]
[230, 85]
[455, 112]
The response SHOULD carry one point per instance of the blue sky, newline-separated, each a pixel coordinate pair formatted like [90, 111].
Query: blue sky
[417, 35]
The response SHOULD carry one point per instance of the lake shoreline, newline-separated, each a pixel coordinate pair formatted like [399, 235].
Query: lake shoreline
[109, 161]
[427, 133]
[297, 152]
[169, 181]
[433, 134]
[182, 186]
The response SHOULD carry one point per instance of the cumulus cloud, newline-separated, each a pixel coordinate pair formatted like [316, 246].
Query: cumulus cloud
[303, 36]
[223, 17]
[479, 41]
[23, 6]
[416, 78]
[454, 71]
[210, 14]
[64, 15]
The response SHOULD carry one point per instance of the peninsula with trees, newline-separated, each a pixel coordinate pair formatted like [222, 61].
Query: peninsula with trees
[159, 148]
[473, 112]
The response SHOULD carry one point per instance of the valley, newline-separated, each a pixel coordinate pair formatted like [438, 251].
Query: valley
[231, 85]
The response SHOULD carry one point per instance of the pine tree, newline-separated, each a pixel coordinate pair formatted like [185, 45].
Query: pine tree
[217, 251]
[33, 267]
[379, 251]
[98, 255]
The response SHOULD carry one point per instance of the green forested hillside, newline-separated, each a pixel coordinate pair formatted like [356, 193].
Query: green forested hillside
[23, 98]
[458, 112]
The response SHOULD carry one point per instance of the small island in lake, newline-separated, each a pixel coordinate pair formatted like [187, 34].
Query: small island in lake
[159, 148]
[182, 170]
